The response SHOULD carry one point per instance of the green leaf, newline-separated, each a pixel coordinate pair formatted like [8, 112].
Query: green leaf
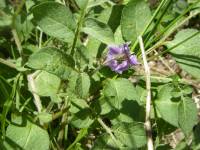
[45, 117]
[104, 142]
[5, 19]
[131, 135]
[135, 16]
[5, 90]
[82, 119]
[116, 92]
[77, 105]
[187, 54]
[55, 20]
[82, 85]
[196, 138]
[47, 84]
[83, 57]
[99, 30]
[83, 132]
[93, 3]
[27, 136]
[187, 115]
[167, 108]
[53, 61]
[23, 26]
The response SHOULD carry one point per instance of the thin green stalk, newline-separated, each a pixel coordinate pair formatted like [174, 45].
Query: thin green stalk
[8, 104]
[79, 25]
[171, 25]
[162, 41]
[158, 21]
[190, 37]
[150, 22]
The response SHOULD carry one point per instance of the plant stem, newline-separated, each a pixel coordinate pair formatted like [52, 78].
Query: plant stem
[148, 99]
[83, 11]
[108, 130]
[7, 63]
[37, 100]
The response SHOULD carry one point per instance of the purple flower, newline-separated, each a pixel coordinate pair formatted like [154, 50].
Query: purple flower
[119, 58]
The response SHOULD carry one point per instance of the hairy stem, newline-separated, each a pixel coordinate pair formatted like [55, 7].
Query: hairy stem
[148, 99]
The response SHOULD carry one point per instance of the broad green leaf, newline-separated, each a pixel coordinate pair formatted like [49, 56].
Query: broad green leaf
[82, 119]
[80, 3]
[45, 117]
[47, 84]
[187, 54]
[53, 61]
[27, 136]
[81, 113]
[130, 112]
[187, 115]
[167, 108]
[5, 19]
[2, 4]
[135, 16]
[115, 93]
[55, 20]
[104, 142]
[82, 85]
[99, 30]
[83, 57]
[118, 36]
[77, 105]
[131, 135]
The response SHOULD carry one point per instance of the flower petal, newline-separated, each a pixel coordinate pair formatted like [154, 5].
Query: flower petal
[112, 64]
[133, 60]
[122, 67]
[115, 50]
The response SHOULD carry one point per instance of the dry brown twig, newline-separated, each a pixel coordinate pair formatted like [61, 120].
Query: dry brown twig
[148, 99]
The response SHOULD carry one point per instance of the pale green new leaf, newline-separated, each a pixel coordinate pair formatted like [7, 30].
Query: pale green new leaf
[47, 84]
